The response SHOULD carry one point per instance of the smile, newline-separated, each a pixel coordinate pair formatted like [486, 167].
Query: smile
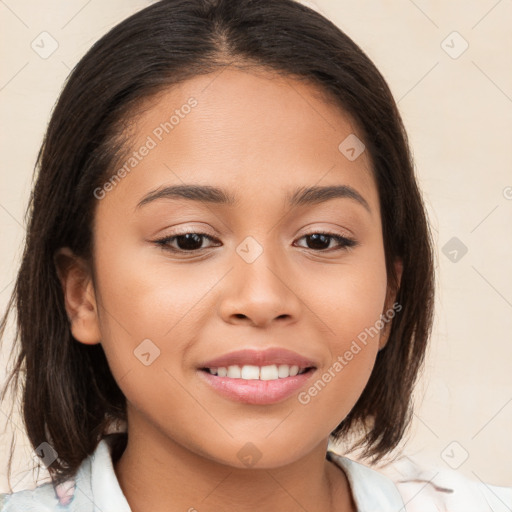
[256, 385]
[251, 372]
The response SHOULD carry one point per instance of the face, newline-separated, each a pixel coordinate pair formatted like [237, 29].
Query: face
[264, 266]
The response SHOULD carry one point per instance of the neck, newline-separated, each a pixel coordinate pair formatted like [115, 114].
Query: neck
[157, 474]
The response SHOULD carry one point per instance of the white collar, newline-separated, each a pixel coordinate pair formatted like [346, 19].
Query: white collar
[371, 490]
[108, 496]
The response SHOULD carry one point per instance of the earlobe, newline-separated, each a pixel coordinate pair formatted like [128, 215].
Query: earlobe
[79, 298]
[391, 308]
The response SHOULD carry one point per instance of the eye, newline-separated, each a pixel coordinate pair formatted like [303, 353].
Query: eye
[186, 242]
[193, 242]
[322, 241]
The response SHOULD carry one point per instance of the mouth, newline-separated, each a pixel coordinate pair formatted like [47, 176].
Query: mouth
[257, 377]
[251, 372]
[256, 385]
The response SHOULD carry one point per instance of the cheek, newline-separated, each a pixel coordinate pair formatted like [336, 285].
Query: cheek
[350, 306]
[141, 302]
[152, 314]
[352, 297]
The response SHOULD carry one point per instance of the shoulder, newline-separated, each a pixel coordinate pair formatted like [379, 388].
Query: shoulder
[423, 489]
[40, 499]
[94, 487]
[439, 488]
[48, 497]
[415, 488]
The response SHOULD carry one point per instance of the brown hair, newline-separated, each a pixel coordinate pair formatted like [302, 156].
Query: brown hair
[69, 395]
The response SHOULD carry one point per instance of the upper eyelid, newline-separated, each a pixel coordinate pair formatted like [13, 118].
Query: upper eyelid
[201, 230]
[208, 235]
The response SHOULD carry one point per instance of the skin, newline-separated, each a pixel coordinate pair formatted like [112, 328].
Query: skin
[259, 136]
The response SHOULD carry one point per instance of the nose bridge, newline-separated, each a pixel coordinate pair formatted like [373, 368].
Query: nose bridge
[258, 265]
[258, 287]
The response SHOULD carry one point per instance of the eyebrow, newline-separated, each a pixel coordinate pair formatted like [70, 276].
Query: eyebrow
[300, 197]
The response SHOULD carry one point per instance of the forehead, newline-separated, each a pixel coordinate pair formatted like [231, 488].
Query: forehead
[239, 129]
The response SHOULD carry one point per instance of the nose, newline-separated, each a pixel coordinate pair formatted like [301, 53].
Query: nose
[260, 292]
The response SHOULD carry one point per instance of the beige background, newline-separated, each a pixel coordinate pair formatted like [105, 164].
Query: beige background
[457, 107]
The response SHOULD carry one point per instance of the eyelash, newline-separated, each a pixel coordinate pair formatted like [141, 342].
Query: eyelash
[344, 242]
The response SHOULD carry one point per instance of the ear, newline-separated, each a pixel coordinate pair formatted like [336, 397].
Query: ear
[79, 299]
[390, 310]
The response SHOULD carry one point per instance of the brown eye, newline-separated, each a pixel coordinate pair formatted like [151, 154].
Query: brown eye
[322, 241]
[184, 242]
[189, 242]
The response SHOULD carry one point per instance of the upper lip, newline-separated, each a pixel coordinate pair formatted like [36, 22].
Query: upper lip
[260, 358]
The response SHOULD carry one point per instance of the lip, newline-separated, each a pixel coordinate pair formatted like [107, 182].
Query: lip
[259, 358]
[256, 392]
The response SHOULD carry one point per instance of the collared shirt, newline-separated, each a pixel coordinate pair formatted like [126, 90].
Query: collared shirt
[95, 488]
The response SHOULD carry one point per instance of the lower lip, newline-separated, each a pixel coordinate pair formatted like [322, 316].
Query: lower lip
[256, 392]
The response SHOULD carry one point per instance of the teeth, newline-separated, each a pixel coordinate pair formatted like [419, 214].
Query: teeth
[269, 372]
[250, 372]
[234, 372]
